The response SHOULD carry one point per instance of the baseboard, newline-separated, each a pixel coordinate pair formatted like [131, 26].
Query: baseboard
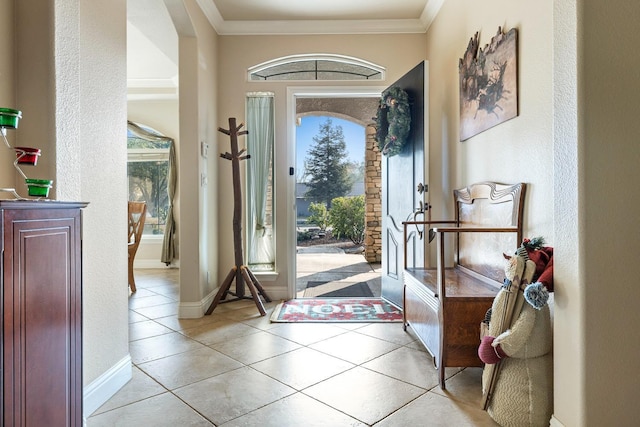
[105, 386]
[278, 293]
[195, 310]
[555, 423]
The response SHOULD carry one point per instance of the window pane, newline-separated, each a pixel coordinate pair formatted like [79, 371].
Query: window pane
[148, 182]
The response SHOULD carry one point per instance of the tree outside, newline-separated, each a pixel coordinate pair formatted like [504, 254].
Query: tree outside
[327, 166]
[148, 181]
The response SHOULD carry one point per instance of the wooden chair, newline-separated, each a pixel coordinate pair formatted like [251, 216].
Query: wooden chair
[445, 305]
[137, 212]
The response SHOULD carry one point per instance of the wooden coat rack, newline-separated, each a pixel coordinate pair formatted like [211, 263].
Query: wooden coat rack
[240, 272]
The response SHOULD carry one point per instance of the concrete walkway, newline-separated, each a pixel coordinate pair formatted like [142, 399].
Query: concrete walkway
[338, 269]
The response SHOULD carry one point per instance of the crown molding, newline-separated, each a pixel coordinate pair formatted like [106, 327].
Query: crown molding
[371, 26]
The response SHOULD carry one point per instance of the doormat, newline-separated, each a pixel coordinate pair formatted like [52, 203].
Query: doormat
[336, 310]
[355, 290]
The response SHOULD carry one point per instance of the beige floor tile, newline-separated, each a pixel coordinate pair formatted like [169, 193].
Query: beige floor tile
[141, 293]
[434, 410]
[306, 333]
[388, 331]
[140, 387]
[407, 364]
[136, 317]
[253, 348]
[148, 301]
[465, 386]
[177, 324]
[153, 348]
[169, 291]
[302, 368]
[365, 395]
[156, 311]
[146, 329]
[294, 411]
[232, 394]
[261, 322]
[249, 374]
[187, 368]
[218, 332]
[354, 347]
[158, 411]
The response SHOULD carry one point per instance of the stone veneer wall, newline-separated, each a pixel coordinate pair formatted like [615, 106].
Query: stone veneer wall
[373, 198]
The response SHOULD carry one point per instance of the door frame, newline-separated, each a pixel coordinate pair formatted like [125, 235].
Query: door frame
[293, 93]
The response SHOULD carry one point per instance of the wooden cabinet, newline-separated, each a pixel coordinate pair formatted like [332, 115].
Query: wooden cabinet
[41, 313]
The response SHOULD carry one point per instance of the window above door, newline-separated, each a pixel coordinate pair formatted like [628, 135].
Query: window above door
[316, 67]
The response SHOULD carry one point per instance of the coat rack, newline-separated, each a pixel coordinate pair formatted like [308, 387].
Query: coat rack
[240, 272]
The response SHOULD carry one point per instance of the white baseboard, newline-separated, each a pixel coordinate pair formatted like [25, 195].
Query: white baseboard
[555, 423]
[278, 293]
[105, 386]
[195, 310]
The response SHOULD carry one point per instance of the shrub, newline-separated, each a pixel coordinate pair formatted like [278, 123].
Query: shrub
[346, 216]
[318, 215]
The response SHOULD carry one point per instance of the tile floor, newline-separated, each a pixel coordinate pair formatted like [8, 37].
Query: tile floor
[235, 368]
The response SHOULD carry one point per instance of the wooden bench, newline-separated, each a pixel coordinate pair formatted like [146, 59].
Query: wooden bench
[445, 305]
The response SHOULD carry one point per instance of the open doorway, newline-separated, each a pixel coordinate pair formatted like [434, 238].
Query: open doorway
[329, 261]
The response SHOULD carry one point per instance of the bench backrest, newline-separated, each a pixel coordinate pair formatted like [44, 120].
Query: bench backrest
[488, 204]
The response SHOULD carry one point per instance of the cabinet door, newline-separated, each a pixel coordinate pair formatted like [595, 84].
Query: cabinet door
[42, 318]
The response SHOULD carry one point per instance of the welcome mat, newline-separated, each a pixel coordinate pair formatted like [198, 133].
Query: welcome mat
[355, 290]
[336, 310]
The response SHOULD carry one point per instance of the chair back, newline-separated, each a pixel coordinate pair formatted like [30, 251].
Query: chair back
[137, 212]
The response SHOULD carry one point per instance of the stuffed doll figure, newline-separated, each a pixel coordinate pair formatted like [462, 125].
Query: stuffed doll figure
[521, 351]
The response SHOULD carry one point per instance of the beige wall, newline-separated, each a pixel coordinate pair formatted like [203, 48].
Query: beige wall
[519, 150]
[609, 155]
[398, 53]
[75, 112]
[7, 91]
[198, 52]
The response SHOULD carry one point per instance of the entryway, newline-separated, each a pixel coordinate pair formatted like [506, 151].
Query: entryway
[335, 268]
[330, 271]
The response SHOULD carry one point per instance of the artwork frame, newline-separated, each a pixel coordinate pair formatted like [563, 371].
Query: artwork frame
[488, 83]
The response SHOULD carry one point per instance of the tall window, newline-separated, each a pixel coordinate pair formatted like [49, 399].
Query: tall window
[148, 173]
[260, 141]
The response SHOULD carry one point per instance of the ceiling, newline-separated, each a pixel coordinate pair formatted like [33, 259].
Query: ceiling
[152, 41]
[320, 16]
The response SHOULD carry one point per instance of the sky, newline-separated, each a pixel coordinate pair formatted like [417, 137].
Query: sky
[310, 127]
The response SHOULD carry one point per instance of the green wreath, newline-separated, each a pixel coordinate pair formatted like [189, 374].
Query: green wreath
[392, 127]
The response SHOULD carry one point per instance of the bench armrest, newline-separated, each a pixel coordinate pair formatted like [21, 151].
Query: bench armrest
[475, 230]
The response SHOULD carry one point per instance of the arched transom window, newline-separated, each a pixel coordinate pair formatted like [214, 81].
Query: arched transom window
[316, 67]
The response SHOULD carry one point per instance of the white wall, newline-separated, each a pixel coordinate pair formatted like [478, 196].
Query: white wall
[102, 147]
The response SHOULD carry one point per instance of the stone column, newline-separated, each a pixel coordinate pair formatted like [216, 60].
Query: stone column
[373, 198]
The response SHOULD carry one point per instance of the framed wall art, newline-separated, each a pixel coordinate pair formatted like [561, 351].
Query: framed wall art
[488, 83]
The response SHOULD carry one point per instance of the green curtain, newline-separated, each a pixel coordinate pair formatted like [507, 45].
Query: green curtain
[260, 141]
